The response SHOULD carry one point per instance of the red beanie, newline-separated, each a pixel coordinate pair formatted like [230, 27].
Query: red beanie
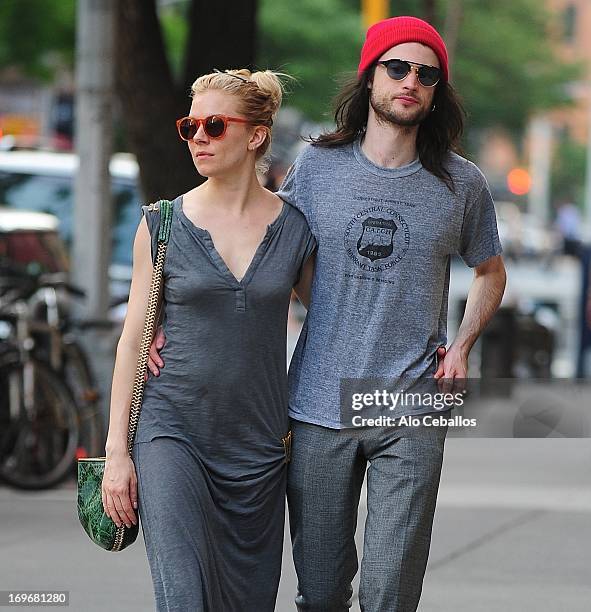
[397, 30]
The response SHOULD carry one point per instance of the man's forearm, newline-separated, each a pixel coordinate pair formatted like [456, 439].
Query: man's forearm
[484, 297]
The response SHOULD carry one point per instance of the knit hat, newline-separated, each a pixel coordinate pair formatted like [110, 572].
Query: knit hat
[397, 30]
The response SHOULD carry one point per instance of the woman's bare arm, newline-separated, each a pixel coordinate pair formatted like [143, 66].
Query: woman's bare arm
[129, 343]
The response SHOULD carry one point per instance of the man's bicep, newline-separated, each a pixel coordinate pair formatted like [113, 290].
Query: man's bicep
[492, 265]
[288, 189]
[479, 239]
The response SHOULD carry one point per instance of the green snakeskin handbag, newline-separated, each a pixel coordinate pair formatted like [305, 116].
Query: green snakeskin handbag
[99, 527]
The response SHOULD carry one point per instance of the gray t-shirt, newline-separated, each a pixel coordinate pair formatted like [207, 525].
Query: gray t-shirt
[380, 290]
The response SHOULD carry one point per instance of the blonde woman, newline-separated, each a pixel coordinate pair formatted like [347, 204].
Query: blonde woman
[211, 448]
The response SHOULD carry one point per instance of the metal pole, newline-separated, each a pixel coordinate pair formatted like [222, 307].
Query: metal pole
[540, 168]
[93, 142]
[453, 19]
[374, 11]
[587, 207]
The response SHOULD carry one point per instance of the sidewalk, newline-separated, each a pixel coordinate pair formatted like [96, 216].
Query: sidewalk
[511, 534]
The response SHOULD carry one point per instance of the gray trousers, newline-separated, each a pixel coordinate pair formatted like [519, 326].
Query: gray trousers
[324, 484]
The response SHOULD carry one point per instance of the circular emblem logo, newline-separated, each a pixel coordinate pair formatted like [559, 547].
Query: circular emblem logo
[377, 238]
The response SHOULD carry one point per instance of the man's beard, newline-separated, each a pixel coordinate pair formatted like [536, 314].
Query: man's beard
[386, 114]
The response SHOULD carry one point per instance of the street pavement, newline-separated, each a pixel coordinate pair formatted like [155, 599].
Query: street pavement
[512, 533]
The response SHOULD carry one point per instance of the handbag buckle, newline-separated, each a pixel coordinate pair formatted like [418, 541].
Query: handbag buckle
[287, 446]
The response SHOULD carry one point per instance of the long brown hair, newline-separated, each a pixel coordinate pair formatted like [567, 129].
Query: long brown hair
[438, 134]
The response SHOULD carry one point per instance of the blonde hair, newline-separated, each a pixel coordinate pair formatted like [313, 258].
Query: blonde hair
[260, 94]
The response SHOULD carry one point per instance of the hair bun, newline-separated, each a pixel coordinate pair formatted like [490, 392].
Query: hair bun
[270, 83]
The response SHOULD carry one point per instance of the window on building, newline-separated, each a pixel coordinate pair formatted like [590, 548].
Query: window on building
[570, 23]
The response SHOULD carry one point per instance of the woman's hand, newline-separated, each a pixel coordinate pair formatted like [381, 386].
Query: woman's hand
[119, 489]
[154, 360]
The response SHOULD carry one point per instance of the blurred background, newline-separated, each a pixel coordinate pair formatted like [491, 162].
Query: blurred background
[89, 93]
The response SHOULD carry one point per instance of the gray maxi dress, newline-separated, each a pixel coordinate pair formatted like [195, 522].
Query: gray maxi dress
[209, 455]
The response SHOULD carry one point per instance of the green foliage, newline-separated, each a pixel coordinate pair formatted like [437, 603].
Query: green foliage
[314, 41]
[505, 67]
[175, 28]
[37, 35]
[568, 172]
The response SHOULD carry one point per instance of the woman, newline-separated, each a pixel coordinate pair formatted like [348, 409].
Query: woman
[211, 448]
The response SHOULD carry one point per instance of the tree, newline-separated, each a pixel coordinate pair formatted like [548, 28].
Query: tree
[152, 98]
[429, 10]
[36, 35]
[506, 66]
[313, 41]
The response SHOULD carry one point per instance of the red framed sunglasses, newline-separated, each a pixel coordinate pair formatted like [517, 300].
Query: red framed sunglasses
[214, 126]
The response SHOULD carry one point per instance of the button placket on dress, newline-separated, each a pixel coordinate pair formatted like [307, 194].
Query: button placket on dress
[239, 286]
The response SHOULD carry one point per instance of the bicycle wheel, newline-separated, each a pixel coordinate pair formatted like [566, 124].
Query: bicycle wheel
[80, 379]
[37, 449]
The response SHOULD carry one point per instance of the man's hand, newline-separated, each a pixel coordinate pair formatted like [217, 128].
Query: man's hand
[154, 360]
[484, 297]
[440, 355]
[452, 370]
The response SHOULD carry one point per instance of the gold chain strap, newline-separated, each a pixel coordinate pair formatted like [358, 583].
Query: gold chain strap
[138, 383]
[147, 335]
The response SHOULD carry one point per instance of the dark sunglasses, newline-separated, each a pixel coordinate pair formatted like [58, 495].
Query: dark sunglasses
[398, 70]
[215, 126]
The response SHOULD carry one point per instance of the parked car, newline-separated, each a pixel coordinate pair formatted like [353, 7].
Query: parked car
[29, 241]
[44, 181]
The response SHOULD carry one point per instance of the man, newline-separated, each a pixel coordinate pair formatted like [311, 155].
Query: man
[389, 203]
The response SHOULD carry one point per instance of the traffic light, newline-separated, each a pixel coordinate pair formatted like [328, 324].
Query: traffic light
[519, 181]
[374, 11]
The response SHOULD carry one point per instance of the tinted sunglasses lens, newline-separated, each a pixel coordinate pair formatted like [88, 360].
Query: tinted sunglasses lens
[187, 129]
[429, 76]
[215, 126]
[397, 69]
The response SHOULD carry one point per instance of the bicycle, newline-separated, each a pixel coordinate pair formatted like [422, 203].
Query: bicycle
[39, 426]
[60, 348]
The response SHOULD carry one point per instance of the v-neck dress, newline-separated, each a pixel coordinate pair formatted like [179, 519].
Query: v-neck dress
[208, 451]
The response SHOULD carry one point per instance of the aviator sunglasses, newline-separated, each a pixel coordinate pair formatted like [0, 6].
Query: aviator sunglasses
[398, 70]
[214, 126]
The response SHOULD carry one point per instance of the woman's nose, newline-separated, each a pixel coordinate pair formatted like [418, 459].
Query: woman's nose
[200, 134]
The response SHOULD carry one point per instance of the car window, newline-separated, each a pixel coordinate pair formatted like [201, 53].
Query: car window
[126, 217]
[50, 194]
[54, 195]
[33, 251]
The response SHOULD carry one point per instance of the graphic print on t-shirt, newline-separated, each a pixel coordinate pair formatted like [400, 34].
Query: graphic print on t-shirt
[376, 241]
[377, 238]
